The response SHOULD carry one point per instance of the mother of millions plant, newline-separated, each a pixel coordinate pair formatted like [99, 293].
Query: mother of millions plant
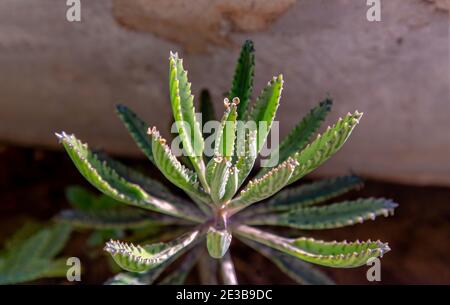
[221, 206]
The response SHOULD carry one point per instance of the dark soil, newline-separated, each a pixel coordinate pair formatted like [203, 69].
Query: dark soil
[32, 184]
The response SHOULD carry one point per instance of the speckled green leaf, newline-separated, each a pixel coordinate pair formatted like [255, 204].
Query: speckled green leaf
[243, 78]
[137, 128]
[308, 194]
[105, 179]
[261, 188]
[299, 271]
[265, 108]
[217, 242]
[142, 258]
[331, 254]
[226, 135]
[301, 133]
[336, 215]
[182, 102]
[324, 146]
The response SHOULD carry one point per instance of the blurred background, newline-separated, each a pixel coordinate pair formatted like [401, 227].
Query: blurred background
[58, 75]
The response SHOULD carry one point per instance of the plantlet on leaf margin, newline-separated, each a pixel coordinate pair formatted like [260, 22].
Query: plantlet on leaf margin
[215, 212]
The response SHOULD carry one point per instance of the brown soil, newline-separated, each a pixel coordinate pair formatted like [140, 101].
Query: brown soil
[32, 183]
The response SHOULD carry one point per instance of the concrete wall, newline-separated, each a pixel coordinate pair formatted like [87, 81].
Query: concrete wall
[57, 75]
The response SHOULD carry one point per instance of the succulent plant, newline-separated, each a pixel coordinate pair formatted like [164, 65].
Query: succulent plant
[222, 206]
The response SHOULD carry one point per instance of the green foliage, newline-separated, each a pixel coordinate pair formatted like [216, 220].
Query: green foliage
[30, 254]
[243, 78]
[218, 210]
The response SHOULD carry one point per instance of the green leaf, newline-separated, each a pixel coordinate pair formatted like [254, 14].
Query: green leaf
[151, 186]
[171, 168]
[115, 219]
[144, 278]
[106, 179]
[299, 271]
[227, 270]
[184, 114]
[324, 146]
[265, 108]
[246, 154]
[302, 132]
[218, 241]
[137, 128]
[226, 135]
[231, 186]
[219, 178]
[332, 216]
[307, 194]
[178, 276]
[331, 254]
[139, 259]
[243, 78]
[264, 187]
[32, 258]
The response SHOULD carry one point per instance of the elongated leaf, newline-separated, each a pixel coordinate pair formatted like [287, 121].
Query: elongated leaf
[115, 219]
[227, 270]
[336, 215]
[324, 146]
[299, 271]
[171, 168]
[331, 254]
[265, 108]
[302, 132]
[184, 114]
[32, 258]
[178, 276]
[139, 259]
[219, 179]
[307, 194]
[246, 156]
[243, 78]
[144, 278]
[226, 135]
[105, 179]
[137, 128]
[262, 188]
[231, 186]
[218, 241]
[151, 186]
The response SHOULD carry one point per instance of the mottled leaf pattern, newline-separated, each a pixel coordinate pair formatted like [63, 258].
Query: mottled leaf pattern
[184, 114]
[324, 146]
[299, 271]
[301, 133]
[332, 216]
[105, 179]
[307, 194]
[243, 78]
[331, 254]
[261, 188]
[142, 258]
[137, 129]
[265, 108]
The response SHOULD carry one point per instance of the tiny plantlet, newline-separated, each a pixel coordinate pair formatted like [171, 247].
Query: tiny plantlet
[224, 203]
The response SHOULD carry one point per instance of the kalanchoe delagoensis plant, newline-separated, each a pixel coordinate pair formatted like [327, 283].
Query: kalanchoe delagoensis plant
[222, 205]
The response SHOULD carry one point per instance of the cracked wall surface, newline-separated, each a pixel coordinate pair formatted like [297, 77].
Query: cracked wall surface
[58, 75]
